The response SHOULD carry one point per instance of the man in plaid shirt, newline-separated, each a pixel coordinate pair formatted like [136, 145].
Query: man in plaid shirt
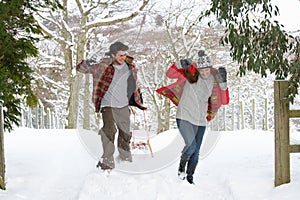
[114, 90]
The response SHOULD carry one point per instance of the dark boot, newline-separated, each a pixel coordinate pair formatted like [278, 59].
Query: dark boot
[190, 179]
[121, 158]
[182, 165]
[191, 166]
[106, 164]
[124, 155]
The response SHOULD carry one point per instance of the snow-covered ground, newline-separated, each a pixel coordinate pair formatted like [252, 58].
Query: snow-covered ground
[57, 165]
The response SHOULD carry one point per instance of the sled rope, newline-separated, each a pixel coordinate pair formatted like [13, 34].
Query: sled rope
[148, 138]
[133, 111]
[133, 144]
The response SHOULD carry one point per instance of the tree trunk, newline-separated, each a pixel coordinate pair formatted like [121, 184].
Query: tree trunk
[2, 160]
[72, 79]
[159, 115]
[167, 115]
[86, 103]
[70, 117]
[80, 55]
[72, 101]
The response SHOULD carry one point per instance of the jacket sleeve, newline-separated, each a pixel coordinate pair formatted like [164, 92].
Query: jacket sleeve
[218, 98]
[223, 92]
[83, 67]
[174, 72]
[224, 96]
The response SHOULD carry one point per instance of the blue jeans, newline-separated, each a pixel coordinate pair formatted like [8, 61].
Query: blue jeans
[192, 136]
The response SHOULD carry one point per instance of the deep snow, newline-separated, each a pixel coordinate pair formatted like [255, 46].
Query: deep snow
[56, 164]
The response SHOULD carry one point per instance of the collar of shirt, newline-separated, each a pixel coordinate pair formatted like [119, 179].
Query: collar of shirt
[119, 67]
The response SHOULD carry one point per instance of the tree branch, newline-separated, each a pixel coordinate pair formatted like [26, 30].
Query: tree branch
[115, 21]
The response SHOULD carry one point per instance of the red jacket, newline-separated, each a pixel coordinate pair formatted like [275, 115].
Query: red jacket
[173, 91]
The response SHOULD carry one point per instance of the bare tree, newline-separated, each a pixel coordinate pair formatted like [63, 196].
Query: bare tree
[70, 30]
[180, 36]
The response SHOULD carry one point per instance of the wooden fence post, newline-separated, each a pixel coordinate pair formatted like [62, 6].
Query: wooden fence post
[266, 124]
[2, 160]
[29, 118]
[49, 123]
[242, 120]
[42, 117]
[253, 114]
[232, 117]
[282, 139]
[36, 118]
[224, 119]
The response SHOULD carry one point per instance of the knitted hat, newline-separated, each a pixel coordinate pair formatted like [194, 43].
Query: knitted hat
[203, 60]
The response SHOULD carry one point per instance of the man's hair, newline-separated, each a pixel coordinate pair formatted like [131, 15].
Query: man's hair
[191, 77]
[117, 46]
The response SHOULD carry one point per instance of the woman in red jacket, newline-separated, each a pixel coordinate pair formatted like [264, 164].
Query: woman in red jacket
[199, 92]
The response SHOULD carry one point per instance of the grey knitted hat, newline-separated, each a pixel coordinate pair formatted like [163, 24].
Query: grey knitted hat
[203, 60]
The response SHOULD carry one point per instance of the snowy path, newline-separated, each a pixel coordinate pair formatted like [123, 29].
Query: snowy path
[53, 164]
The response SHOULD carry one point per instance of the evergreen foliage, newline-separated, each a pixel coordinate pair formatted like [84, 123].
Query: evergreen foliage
[18, 33]
[257, 42]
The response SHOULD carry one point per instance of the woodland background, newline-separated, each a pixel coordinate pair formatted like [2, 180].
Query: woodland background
[158, 34]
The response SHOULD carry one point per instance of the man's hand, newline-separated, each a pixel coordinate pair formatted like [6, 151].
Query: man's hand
[185, 63]
[90, 62]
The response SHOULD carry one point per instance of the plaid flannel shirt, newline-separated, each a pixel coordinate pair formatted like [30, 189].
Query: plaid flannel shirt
[103, 73]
